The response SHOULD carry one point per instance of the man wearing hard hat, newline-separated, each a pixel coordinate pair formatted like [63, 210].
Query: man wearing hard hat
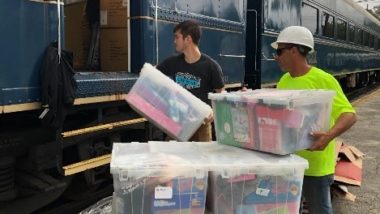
[292, 46]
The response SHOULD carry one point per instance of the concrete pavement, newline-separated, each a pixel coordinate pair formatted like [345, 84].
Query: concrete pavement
[365, 135]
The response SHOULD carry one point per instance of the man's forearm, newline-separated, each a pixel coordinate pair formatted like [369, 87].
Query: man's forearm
[342, 124]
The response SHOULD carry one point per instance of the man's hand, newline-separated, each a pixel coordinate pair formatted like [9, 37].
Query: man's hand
[244, 88]
[208, 119]
[321, 140]
[220, 90]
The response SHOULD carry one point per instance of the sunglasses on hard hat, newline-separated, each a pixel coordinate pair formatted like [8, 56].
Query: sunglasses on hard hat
[279, 50]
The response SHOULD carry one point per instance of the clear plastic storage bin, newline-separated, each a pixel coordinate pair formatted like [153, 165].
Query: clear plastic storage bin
[174, 177]
[150, 181]
[250, 182]
[270, 120]
[166, 104]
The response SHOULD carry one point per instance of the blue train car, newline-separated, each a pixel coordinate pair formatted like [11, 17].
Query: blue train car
[39, 164]
[23, 41]
[223, 25]
[346, 37]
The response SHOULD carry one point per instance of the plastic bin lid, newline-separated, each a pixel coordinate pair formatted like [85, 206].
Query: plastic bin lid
[147, 157]
[277, 96]
[199, 155]
[290, 95]
[221, 155]
[230, 96]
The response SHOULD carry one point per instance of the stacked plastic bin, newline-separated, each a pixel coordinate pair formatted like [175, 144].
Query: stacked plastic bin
[269, 120]
[171, 177]
[147, 180]
[249, 182]
[166, 104]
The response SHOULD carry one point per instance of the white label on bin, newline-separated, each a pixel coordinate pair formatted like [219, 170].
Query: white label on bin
[125, 3]
[163, 192]
[227, 128]
[262, 192]
[103, 17]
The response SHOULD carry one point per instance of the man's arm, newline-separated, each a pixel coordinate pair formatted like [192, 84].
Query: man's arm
[342, 124]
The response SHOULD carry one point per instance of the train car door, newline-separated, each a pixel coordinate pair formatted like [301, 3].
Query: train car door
[253, 30]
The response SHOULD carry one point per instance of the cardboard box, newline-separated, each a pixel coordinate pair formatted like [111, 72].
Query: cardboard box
[114, 13]
[349, 164]
[77, 33]
[348, 170]
[114, 49]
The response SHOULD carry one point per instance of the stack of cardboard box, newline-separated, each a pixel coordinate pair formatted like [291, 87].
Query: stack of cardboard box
[77, 33]
[114, 35]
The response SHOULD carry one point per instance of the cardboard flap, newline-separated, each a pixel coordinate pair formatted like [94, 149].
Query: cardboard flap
[338, 145]
[341, 191]
[347, 152]
[356, 152]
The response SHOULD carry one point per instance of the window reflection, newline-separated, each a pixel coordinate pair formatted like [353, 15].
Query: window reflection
[310, 18]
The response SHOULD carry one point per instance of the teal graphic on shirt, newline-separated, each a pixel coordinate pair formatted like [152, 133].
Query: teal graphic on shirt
[187, 80]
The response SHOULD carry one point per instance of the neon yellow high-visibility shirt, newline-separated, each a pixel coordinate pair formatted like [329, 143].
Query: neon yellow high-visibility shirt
[320, 162]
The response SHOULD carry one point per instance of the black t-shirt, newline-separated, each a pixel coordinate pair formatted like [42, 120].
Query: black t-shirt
[199, 78]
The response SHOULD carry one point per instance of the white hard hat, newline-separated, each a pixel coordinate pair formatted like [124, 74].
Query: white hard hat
[295, 35]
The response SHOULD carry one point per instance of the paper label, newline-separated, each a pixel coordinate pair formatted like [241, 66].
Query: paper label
[125, 3]
[103, 17]
[262, 192]
[227, 128]
[163, 192]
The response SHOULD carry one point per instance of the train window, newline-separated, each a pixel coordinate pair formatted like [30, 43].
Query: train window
[341, 29]
[328, 25]
[310, 18]
[371, 41]
[359, 36]
[365, 38]
[351, 33]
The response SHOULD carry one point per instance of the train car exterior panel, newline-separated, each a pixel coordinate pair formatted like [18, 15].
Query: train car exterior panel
[27, 28]
[223, 32]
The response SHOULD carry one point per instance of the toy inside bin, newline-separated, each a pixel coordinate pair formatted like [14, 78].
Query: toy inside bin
[232, 120]
[166, 104]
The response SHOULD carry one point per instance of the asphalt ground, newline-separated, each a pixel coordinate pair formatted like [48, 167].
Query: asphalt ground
[365, 135]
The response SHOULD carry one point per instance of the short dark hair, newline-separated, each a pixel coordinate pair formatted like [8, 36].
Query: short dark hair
[303, 50]
[189, 28]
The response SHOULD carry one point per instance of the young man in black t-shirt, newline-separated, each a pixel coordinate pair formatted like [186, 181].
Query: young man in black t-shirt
[193, 70]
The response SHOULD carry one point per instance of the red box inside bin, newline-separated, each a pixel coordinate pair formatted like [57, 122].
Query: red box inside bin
[271, 124]
[253, 142]
[154, 113]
